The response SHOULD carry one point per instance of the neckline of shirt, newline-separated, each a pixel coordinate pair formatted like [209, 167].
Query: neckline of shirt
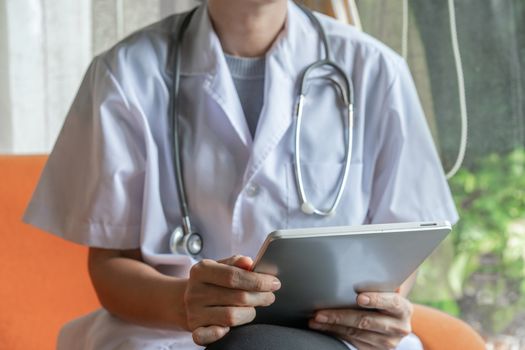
[246, 67]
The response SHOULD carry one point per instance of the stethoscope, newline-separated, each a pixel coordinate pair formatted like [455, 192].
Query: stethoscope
[184, 240]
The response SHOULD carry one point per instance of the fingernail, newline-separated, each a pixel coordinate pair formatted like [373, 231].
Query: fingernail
[276, 284]
[321, 318]
[364, 300]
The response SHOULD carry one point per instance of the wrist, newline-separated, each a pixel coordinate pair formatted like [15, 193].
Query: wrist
[178, 309]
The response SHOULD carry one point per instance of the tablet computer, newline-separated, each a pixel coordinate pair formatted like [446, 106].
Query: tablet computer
[325, 268]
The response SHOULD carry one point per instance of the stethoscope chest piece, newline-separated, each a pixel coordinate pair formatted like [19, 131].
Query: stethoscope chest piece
[185, 244]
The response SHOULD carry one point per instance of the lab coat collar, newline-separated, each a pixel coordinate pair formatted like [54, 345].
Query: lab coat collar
[201, 45]
[298, 36]
[205, 50]
[203, 56]
[283, 69]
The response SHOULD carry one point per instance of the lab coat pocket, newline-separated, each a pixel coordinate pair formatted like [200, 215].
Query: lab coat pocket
[321, 183]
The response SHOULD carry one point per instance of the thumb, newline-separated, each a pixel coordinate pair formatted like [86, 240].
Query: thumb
[240, 261]
[207, 335]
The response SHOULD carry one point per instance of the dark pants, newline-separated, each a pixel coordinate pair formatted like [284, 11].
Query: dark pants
[268, 337]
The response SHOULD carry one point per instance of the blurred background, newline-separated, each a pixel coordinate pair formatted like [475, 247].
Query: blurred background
[467, 58]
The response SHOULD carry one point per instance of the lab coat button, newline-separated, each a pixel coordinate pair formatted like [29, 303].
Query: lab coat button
[252, 190]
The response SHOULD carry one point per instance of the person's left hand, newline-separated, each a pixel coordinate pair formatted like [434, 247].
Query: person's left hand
[380, 328]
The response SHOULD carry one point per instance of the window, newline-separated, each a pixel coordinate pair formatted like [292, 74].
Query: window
[478, 273]
[44, 60]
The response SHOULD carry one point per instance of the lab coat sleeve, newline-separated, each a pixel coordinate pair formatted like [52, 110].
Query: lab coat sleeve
[408, 179]
[90, 191]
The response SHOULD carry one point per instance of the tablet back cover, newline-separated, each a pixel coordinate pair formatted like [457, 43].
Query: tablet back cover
[327, 272]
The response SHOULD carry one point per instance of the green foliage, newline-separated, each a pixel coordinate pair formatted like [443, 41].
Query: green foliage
[484, 276]
[491, 203]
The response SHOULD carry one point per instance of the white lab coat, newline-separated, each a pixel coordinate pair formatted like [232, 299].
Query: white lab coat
[109, 181]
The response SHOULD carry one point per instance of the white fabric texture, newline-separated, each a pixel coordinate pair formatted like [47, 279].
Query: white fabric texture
[109, 181]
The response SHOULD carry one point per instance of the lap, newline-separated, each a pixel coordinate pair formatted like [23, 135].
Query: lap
[270, 337]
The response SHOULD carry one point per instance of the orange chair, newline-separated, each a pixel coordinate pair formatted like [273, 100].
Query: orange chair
[44, 280]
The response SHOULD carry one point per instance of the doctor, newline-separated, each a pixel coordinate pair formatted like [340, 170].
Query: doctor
[110, 184]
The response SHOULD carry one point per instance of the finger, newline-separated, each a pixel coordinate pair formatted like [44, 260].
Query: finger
[240, 261]
[343, 332]
[350, 334]
[212, 272]
[211, 295]
[365, 320]
[207, 335]
[226, 316]
[391, 303]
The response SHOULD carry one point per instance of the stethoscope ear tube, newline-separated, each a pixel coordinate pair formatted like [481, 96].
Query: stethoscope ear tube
[308, 207]
[346, 93]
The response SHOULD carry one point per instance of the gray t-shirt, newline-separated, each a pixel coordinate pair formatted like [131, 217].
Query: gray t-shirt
[248, 77]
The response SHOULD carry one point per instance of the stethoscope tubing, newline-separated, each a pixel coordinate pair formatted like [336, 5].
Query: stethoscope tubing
[347, 95]
[183, 239]
[181, 189]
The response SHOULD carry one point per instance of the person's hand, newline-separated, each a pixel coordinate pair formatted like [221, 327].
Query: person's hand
[380, 328]
[222, 294]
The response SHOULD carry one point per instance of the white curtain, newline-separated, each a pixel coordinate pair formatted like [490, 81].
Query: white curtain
[45, 47]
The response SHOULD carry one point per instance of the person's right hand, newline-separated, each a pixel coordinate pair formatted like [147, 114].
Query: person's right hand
[222, 294]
